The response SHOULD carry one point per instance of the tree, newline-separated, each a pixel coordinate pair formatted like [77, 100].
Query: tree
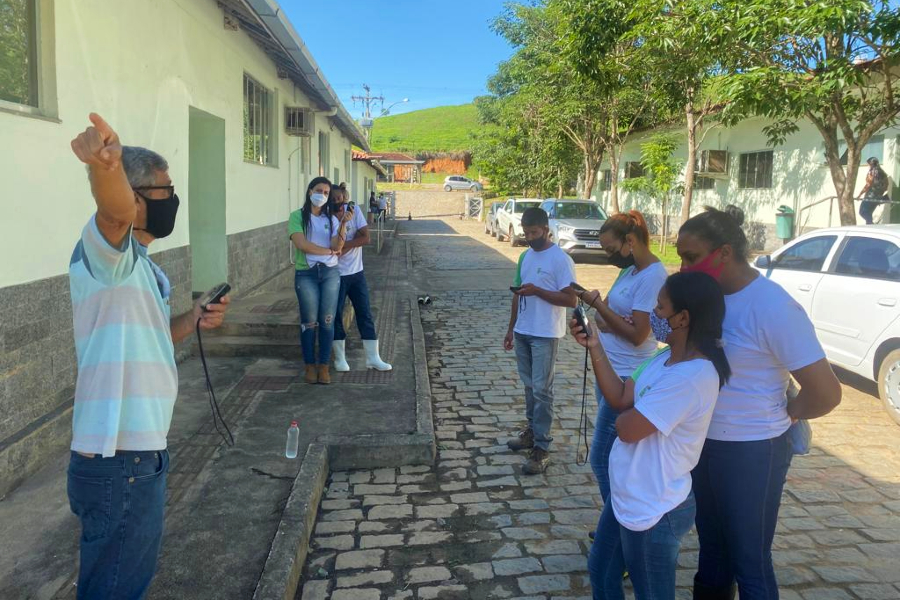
[592, 37]
[832, 63]
[683, 56]
[660, 178]
[16, 51]
[539, 75]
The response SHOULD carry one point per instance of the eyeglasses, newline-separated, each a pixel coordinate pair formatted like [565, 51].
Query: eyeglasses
[169, 188]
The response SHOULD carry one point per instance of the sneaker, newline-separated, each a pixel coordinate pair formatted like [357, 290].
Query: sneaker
[537, 463]
[525, 441]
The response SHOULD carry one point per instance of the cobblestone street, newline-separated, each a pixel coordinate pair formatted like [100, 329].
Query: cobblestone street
[473, 526]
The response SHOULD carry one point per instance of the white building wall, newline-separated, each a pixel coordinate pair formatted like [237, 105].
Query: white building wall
[800, 175]
[141, 65]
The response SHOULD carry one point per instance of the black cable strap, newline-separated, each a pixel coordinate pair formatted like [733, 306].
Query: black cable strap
[213, 403]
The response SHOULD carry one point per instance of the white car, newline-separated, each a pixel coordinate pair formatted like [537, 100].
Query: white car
[848, 281]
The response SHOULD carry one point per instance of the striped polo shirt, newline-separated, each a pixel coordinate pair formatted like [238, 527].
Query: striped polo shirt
[127, 379]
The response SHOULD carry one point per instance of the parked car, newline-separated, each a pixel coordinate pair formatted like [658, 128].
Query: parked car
[458, 182]
[848, 281]
[509, 219]
[575, 225]
[490, 219]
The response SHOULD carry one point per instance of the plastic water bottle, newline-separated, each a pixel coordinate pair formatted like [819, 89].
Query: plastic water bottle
[293, 440]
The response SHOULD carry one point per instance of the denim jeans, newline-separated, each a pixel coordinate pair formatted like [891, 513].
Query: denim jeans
[867, 209]
[317, 292]
[120, 501]
[738, 487]
[604, 436]
[355, 287]
[536, 358]
[650, 556]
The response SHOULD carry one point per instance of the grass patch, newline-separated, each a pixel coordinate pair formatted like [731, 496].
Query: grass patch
[440, 129]
[669, 255]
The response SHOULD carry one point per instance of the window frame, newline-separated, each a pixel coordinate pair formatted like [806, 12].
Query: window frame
[777, 263]
[267, 149]
[605, 180]
[628, 166]
[710, 181]
[756, 174]
[43, 75]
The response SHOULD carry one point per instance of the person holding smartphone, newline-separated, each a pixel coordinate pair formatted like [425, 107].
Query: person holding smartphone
[623, 319]
[537, 321]
[353, 284]
[664, 408]
[738, 481]
[127, 378]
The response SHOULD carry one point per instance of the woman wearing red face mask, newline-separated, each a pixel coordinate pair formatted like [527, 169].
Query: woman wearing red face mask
[738, 482]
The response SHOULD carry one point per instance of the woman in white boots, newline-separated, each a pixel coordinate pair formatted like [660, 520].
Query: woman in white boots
[353, 285]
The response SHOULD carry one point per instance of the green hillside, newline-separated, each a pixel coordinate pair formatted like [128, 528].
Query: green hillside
[441, 129]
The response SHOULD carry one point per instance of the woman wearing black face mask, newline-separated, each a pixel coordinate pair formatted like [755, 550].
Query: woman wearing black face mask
[623, 319]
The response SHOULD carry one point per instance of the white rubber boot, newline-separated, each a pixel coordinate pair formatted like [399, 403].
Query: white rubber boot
[373, 360]
[340, 357]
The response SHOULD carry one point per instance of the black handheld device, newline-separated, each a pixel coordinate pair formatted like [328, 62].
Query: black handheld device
[214, 296]
[515, 288]
[581, 317]
[577, 287]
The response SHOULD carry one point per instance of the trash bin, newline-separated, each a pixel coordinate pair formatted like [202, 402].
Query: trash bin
[784, 222]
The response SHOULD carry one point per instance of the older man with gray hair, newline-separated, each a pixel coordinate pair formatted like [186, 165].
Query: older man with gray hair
[127, 380]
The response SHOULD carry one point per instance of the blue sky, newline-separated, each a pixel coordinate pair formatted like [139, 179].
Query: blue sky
[434, 52]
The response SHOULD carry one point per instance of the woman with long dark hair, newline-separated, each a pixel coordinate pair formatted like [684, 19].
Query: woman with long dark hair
[738, 481]
[318, 239]
[623, 318]
[664, 410]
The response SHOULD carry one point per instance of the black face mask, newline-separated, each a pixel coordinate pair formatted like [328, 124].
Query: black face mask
[161, 216]
[621, 262]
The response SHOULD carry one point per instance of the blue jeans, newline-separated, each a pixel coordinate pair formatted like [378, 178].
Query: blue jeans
[536, 359]
[650, 556]
[120, 501]
[355, 287]
[317, 292]
[604, 436]
[738, 487]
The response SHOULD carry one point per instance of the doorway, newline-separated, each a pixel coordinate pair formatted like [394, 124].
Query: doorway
[206, 200]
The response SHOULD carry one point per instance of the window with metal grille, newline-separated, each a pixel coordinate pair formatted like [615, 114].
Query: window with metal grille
[606, 180]
[258, 123]
[755, 170]
[633, 169]
[704, 183]
[19, 58]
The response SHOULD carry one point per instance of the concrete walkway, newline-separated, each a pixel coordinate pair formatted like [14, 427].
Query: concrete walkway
[475, 527]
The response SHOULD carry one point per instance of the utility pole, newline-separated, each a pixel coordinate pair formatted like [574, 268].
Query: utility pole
[368, 100]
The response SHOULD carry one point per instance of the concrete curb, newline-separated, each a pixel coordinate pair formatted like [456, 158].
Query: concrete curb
[287, 555]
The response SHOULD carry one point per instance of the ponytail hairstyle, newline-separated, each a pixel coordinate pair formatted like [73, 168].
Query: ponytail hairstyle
[719, 227]
[702, 298]
[621, 224]
[306, 210]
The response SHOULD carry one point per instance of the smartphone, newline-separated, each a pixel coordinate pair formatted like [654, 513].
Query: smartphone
[515, 289]
[214, 296]
[577, 287]
[581, 318]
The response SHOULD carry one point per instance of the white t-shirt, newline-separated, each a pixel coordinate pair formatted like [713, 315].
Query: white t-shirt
[767, 334]
[551, 269]
[633, 291]
[382, 203]
[320, 235]
[651, 477]
[351, 260]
